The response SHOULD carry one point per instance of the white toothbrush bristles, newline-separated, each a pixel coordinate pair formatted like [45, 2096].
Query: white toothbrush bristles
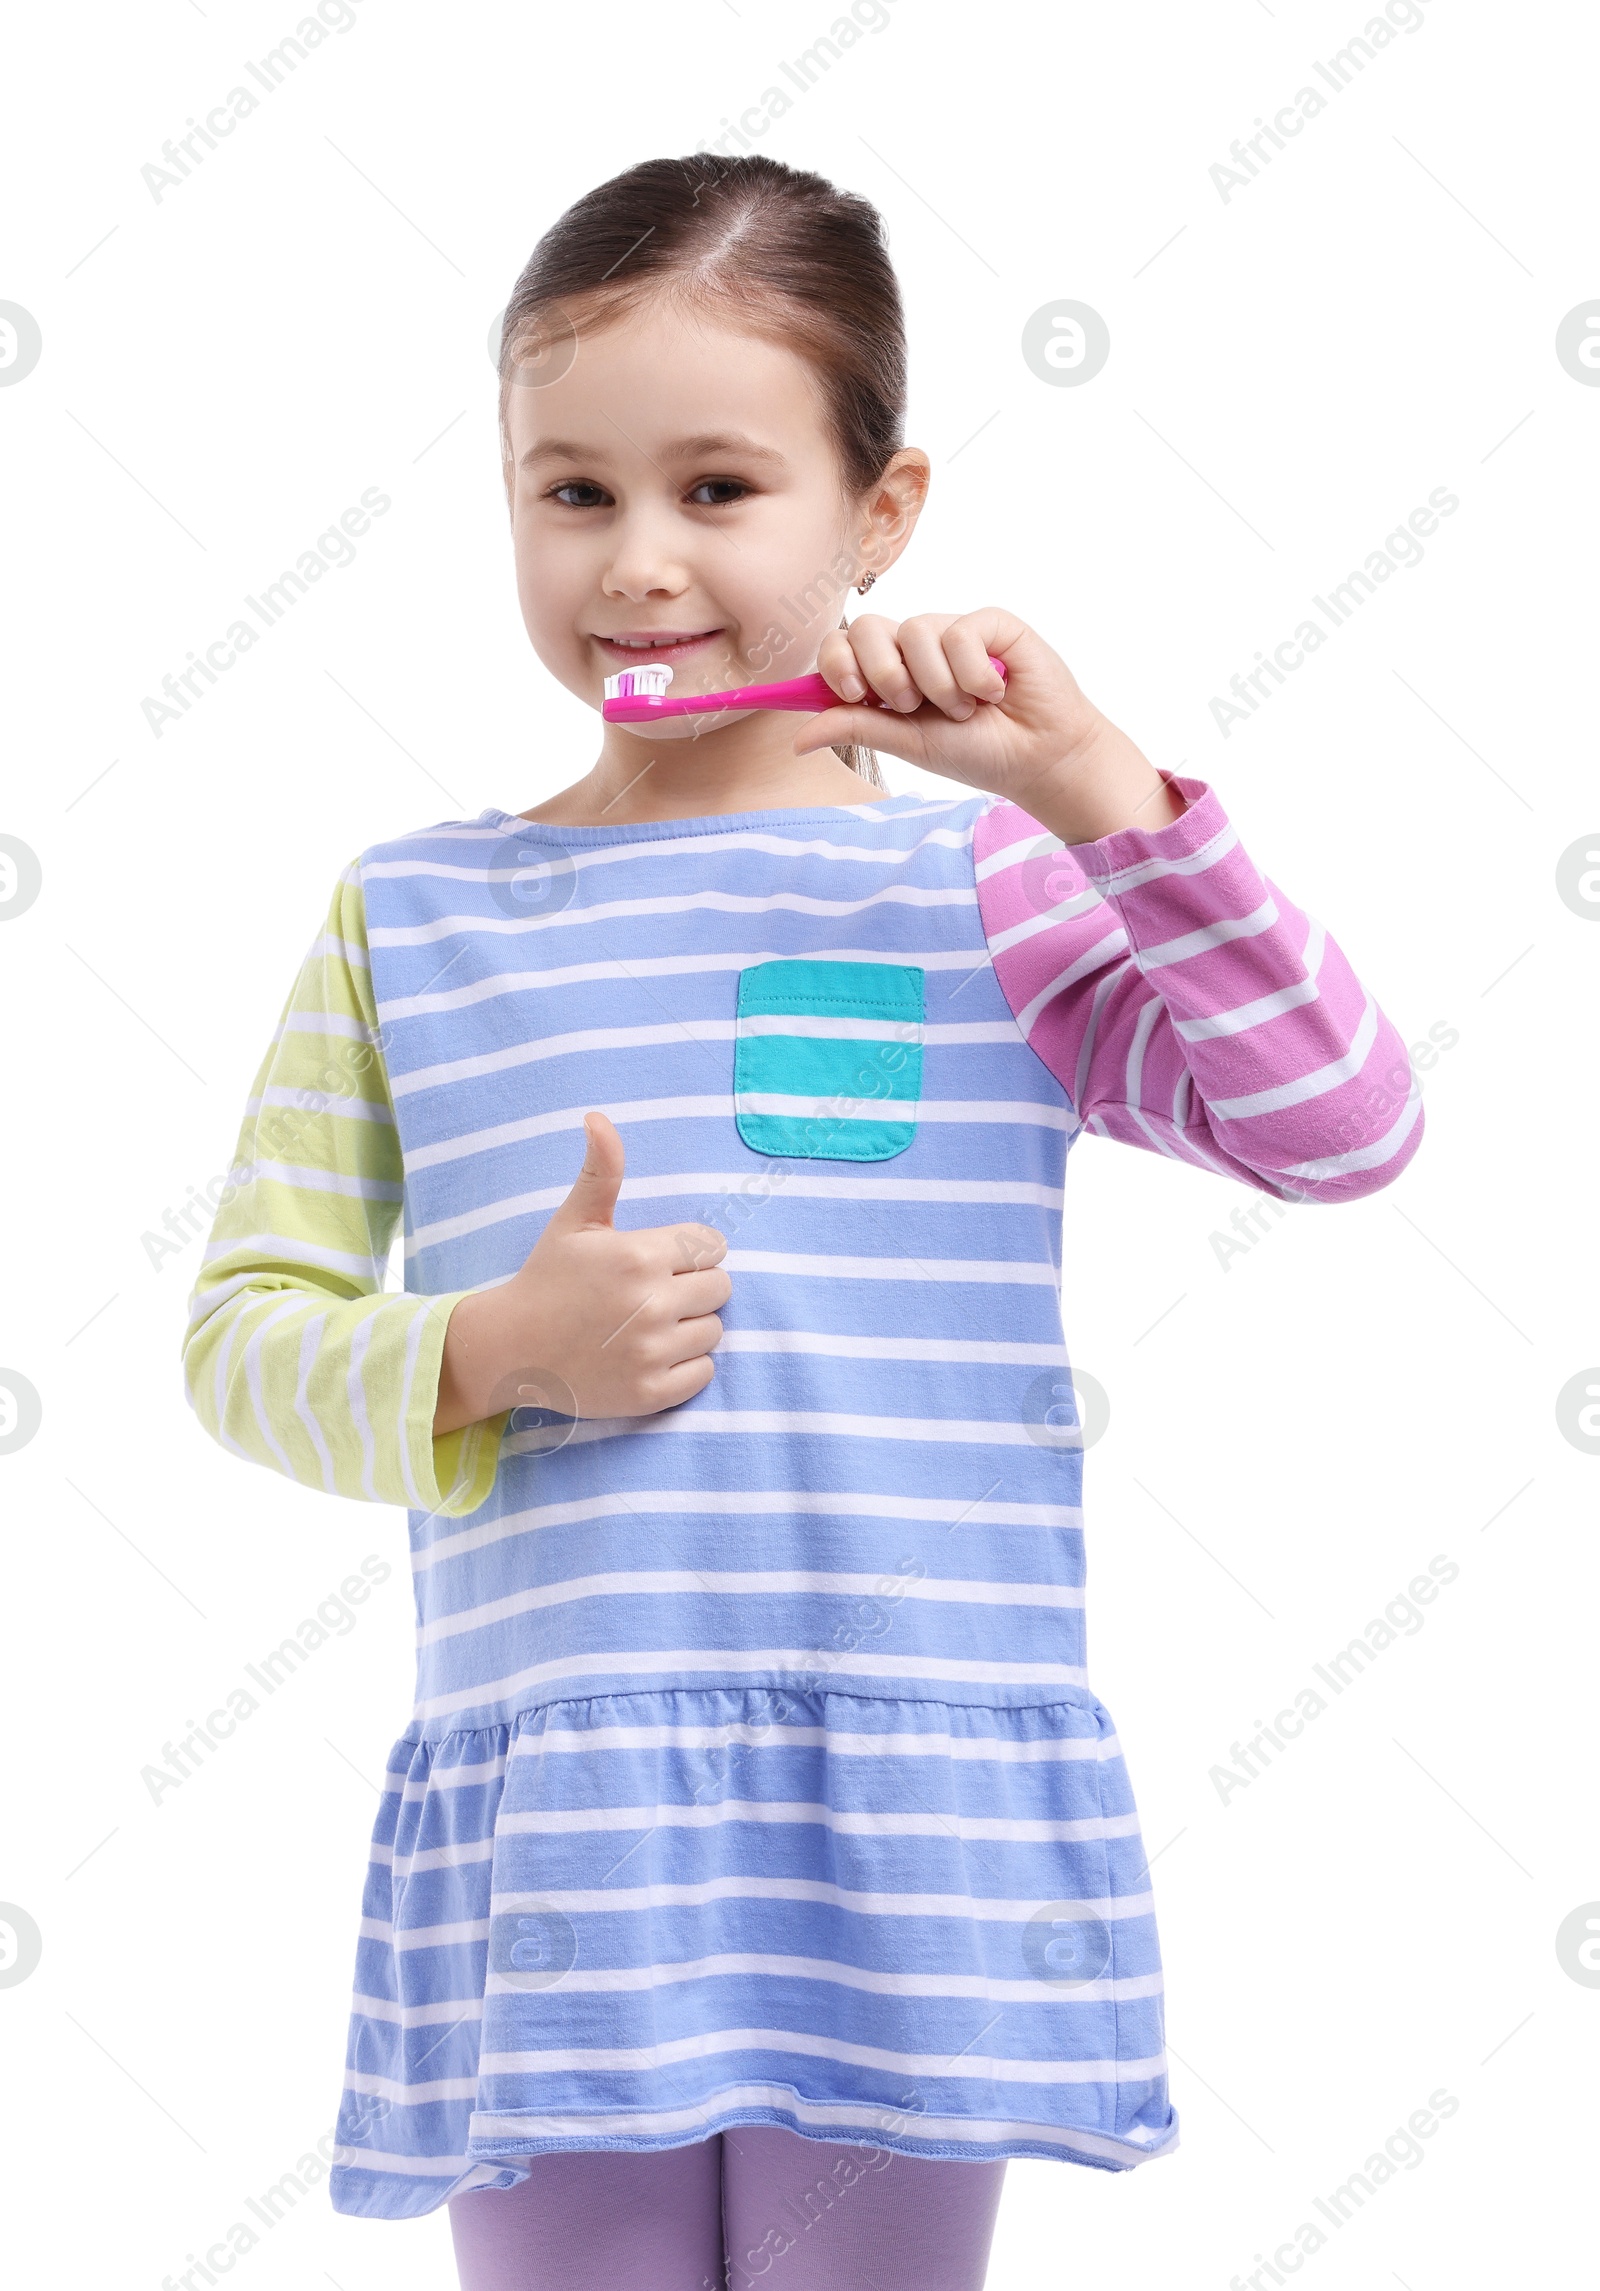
[644, 683]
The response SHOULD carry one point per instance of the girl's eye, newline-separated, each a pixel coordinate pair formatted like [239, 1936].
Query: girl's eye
[725, 489]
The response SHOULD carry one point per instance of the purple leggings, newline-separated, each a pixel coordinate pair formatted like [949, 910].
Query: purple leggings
[755, 2206]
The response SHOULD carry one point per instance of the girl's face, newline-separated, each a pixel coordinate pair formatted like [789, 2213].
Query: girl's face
[675, 496]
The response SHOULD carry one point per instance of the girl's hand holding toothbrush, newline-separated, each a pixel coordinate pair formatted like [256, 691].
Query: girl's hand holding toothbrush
[597, 1322]
[1030, 737]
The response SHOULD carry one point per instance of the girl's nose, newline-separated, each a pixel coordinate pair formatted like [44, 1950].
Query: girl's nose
[644, 562]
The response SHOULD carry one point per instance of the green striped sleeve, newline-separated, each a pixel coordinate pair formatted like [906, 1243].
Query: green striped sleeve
[294, 1354]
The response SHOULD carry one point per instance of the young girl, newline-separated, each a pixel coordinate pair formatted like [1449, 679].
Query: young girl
[758, 1871]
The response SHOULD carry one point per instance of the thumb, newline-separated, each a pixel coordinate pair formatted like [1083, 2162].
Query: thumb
[887, 728]
[594, 1190]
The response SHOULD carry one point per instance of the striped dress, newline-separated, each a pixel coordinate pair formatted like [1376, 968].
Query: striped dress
[754, 1774]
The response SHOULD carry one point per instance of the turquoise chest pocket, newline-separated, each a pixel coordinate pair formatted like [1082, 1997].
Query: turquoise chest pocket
[827, 1058]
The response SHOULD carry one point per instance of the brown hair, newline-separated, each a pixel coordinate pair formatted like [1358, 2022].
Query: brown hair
[781, 253]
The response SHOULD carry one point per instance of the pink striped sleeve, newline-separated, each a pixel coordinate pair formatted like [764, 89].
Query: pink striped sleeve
[1185, 1005]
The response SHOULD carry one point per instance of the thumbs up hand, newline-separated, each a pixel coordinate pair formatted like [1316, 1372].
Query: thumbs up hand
[627, 1322]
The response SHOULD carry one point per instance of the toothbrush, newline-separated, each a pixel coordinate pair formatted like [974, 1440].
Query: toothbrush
[638, 695]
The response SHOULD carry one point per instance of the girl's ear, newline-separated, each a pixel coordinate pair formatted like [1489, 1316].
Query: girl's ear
[892, 506]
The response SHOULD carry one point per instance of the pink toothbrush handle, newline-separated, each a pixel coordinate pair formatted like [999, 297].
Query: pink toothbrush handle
[805, 693]
[809, 692]
[799, 692]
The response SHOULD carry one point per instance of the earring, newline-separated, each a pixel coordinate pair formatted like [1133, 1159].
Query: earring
[863, 586]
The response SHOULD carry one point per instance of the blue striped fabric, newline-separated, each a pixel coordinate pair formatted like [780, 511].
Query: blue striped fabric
[754, 1774]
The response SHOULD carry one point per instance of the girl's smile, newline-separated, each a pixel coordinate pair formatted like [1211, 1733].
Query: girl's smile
[637, 645]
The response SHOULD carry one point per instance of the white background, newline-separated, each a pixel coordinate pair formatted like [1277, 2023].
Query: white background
[1292, 1437]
